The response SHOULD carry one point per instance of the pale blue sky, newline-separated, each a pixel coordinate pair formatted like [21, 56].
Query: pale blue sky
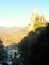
[18, 12]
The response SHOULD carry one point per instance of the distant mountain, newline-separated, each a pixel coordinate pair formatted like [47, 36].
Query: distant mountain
[12, 35]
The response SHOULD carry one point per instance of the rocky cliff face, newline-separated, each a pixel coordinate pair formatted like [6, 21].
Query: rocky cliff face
[37, 21]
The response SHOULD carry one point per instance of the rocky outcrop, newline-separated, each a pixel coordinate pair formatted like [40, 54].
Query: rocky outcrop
[38, 20]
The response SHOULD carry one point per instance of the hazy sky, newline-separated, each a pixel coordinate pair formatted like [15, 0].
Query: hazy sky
[18, 12]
